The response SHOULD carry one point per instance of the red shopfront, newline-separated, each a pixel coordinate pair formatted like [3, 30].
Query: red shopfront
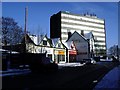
[72, 55]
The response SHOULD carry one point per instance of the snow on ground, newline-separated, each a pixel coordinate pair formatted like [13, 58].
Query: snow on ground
[105, 59]
[69, 65]
[110, 80]
[11, 72]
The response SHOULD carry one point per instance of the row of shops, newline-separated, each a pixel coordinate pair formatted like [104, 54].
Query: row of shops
[60, 55]
[57, 51]
[76, 48]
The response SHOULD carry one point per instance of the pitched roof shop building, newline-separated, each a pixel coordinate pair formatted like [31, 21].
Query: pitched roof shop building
[82, 46]
[63, 24]
[54, 48]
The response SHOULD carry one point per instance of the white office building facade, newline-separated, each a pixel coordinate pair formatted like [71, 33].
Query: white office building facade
[68, 23]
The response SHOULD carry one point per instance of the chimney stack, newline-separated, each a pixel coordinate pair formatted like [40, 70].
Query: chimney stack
[82, 32]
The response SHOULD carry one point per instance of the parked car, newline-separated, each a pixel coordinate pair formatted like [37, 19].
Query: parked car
[44, 65]
[93, 61]
[114, 59]
[89, 61]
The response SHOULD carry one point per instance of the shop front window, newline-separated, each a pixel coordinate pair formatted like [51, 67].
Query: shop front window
[61, 58]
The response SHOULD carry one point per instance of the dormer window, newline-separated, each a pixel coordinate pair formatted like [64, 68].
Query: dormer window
[44, 42]
[59, 45]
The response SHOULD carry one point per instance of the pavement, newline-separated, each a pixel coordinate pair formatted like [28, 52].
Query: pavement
[110, 80]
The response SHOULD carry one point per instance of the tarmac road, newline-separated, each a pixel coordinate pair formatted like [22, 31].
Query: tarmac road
[86, 76]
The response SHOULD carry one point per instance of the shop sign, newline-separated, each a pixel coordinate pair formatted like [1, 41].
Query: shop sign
[73, 52]
[60, 52]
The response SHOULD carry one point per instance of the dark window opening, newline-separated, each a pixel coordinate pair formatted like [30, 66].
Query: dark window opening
[44, 42]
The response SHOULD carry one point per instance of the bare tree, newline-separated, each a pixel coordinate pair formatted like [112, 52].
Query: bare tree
[11, 32]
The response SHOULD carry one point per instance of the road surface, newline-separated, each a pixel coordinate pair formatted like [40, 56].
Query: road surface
[86, 76]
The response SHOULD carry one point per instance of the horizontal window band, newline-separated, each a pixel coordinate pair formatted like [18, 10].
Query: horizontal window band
[77, 29]
[66, 14]
[97, 45]
[64, 17]
[82, 25]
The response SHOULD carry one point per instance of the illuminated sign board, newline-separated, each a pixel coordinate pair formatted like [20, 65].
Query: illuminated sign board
[73, 52]
[60, 52]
